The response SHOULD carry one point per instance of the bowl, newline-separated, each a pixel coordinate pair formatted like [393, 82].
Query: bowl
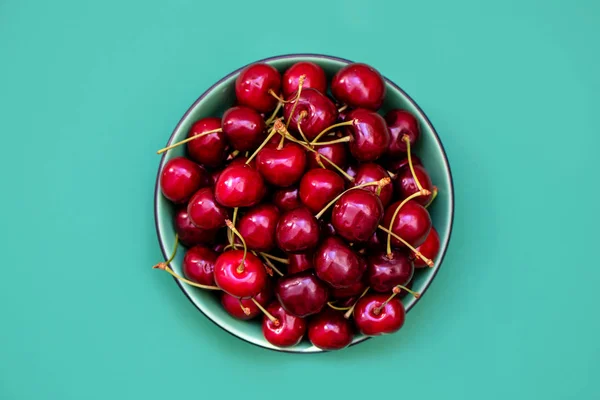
[214, 102]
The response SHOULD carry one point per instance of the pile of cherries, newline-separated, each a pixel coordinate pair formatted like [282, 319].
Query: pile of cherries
[304, 205]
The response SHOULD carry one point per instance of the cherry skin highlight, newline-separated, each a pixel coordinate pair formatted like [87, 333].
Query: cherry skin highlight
[318, 187]
[370, 136]
[180, 178]
[289, 330]
[244, 128]
[314, 78]
[253, 84]
[329, 330]
[359, 85]
[373, 318]
[239, 185]
[301, 294]
[430, 248]
[205, 212]
[336, 263]
[281, 166]
[209, 150]
[257, 226]
[356, 215]
[241, 284]
[297, 231]
[412, 223]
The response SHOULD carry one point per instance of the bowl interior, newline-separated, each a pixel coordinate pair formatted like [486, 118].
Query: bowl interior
[221, 96]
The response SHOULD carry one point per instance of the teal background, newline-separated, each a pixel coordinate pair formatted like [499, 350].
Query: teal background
[89, 92]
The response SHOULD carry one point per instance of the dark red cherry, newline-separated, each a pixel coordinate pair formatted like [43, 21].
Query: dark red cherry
[353, 290]
[214, 176]
[253, 84]
[384, 274]
[281, 166]
[188, 233]
[301, 294]
[180, 178]
[400, 123]
[209, 150]
[220, 247]
[244, 128]
[356, 215]
[239, 185]
[405, 184]
[246, 309]
[205, 212]
[289, 329]
[318, 187]
[257, 226]
[412, 223]
[314, 78]
[430, 248]
[336, 263]
[286, 199]
[375, 242]
[297, 231]
[371, 172]
[370, 136]
[240, 160]
[374, 317]
[337, 153]
[299, 262]
[242, 282]
[313, 109]
[199, 265]
[359, 85]
[397, 164]
[329, 330]
[327, 228]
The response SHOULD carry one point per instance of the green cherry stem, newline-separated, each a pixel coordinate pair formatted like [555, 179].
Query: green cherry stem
[188, 140]
[274, 320]
[433, 196]
[329, 128]
[330, 304]
[274, 115]
[264, 143]
[417, 252]
[341, 140]
[300, 84]
[421, 192]
[406, 140]
[395, 291]
[380, 183]
[230, 225]
[351, 310]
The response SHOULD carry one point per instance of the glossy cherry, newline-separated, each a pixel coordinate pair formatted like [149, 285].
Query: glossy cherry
[199, 264]
[180, 178]
[370, 136]
[372, 172]
[246, 309]
[253, 84]
[289, 329]
[318, 187]
[281, 166]
[313, 110]
[209, 150]
[385, 273]
[301, 294]
[405, 183]
[299, 262]
[329, 330]
[430, 248]
[412, 223]
[359, 85]
[374, 317]
[336, 263]
[397, 164]
[314, 78]
[357, 214]
[238, 277]
[188, 233]
[352, 169]
[257, 226]
[400, 123]
[287, 199]
[297, 231]
[239, 185]
[205, 212]
[244, 128]
[353, 290]
[337, 153]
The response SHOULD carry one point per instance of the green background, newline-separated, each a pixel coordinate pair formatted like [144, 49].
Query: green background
[90, 90]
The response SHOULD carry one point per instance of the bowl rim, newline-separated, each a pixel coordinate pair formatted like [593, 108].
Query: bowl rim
[445, 244]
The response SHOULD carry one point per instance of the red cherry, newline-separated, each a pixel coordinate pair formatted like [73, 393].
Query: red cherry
[244, 128]
[336, 263]
[246, 309]
[400, 123]
[188, 233]
[369, 133]
[371, 172]
[314, 77]
[281, 166]
[337, 153]
[353, 290]
[397, 164]
[238, 277]
[318, 187]
[205, 212]
[430, 248]
[257, 226]
[385, 273]
[374, 316]
[329, 330]
[301, 294]
[327, 228]
[297, 231]
[313, 109]
[412, 223]
[286, 199]
[253, 85]
[180, 178]
[209, 150]
[199, 265]
[359, 85]
[356, 215]
[239, 185]
[289, 329]
[299, 262]
[405, 184]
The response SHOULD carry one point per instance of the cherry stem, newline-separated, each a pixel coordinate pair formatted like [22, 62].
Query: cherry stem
[399, 288]
[281, 142]
[229, 232]
[278, 259]
[421, 192]
[245, 310]
[351, 310]
[188, 140]
[301, 116]
[342, 108]
[395, 291]
[391, 174]
[274, 320]
[273, 267]
[233, 154]
[300, 84]
[433, 196]
[329, 128]
[230, 225]
[338, 308]
[380, 183]
[279, 98]
[342, 140]
[417, 252]
[406, 140]
[274, 115]
[264, 143]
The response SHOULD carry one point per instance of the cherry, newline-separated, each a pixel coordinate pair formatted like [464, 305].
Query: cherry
[354, 290]
[314, 78]
[329, 330]
[301, 294]
[180, 178]
[188, 233]
[287, 331]
[400, 123]
[281, 166]
[336, 263]
[254, 85]
[429, 248]
[214, 176]
[376, 314]
[299, 262]
[318, 187]
[412, 223]
[243, 127]
[219, 247]
[357, 214]
[359, 85]
[199, 265]
[240, 160]
[385, 272]
[257, 226]
[327, 228]
[369, 134]
[205, 212]
[239, 185]
[210, 149]
[313, 110]
[240, 277]
[246, 309]
[371, 172]
[375, 242]
[297, 231]
[287, 199]
[337, 153]
[406, 185]
[397, 164]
